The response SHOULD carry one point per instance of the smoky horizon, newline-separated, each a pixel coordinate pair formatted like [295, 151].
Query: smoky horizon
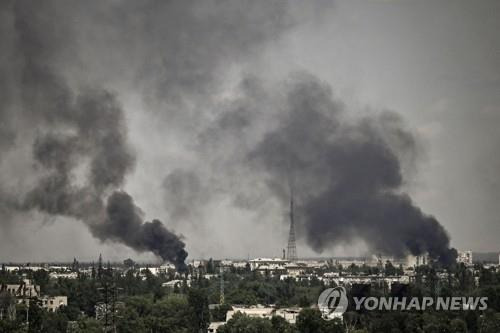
[169, 131]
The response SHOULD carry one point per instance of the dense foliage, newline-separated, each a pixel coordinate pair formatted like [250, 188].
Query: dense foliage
[137, 302]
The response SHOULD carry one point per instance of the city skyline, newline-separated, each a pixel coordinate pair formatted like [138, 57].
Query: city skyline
[373, 57]
[241, 166]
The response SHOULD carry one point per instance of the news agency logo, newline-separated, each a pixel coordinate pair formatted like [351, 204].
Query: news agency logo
[456, 303]
[333, 302]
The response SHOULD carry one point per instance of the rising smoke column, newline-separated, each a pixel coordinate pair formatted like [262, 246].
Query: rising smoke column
[80, 144]
[348, 176]
[347, 173]
[174, 53]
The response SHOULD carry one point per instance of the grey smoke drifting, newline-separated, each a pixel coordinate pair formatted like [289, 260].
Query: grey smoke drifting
[124, 224]
[184, 192]
[80, 144]
[347, 171]
[247, 143]
[100, 137]
[348, 176]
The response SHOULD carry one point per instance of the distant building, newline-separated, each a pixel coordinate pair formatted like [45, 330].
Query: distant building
[226, 262]
[465, 257]
[331, 274]
[53, 303]
[176, 283]
[415, 261]
[290, 314]
[315, 264]
[349, 262]
[293, 269]
[10, 268]
[380, 260]
[24, 290]
[270, 263]
[71, 275]
[259, 311]
[240, 264]
[215, 326]
[198, 263]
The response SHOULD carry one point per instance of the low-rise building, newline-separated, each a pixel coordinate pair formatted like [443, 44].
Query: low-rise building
[53, 303]
[26, 289]
[293, 269]
[71, 275]
[465, 257]
[215, 326]
[268, 262]
[289, 314]
[259, 311]
[415, 261]
[26, 292]
[176, 283]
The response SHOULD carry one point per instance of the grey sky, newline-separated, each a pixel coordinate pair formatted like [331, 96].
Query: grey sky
[177, 71]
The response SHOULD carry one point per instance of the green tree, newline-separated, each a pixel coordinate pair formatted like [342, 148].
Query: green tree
[88, 325]
[170, 314]
[489, 322]
[457, 325]
[198, 306]
[309, 321]
[241, 323]
[280, 325]
[129, 321]
[210, 266]
[219, 313]
[54, 322]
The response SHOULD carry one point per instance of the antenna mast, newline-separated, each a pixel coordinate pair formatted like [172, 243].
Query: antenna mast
[291, 248]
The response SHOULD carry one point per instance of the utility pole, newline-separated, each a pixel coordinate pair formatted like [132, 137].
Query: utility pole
[105, 291]
[221, 300]
[27, 303]
[110, 293]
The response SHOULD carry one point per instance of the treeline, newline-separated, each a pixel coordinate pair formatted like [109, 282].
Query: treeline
[137, 302]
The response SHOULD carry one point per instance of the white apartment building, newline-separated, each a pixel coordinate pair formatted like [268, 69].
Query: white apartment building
[465, 257]
[53, 303]
[259, 311]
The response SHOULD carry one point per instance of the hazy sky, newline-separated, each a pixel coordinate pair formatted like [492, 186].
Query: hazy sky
[179, 72]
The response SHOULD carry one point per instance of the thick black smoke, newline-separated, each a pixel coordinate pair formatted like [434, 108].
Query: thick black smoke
[347, 173]
[348, 176]
[99, 137]
[124, 223]
[171, 52]
[80, 142]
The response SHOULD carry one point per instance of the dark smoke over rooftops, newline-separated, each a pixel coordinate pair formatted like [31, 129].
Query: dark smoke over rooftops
[80, 142]
[347, 176]
[248, 147]
[124, 223]
[346, 171]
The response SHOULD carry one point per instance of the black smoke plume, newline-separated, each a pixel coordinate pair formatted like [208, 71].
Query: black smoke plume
[80, 140]
[347, 175]
[124, 223]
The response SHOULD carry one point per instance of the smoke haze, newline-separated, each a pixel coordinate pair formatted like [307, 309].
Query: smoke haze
[205, 113]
